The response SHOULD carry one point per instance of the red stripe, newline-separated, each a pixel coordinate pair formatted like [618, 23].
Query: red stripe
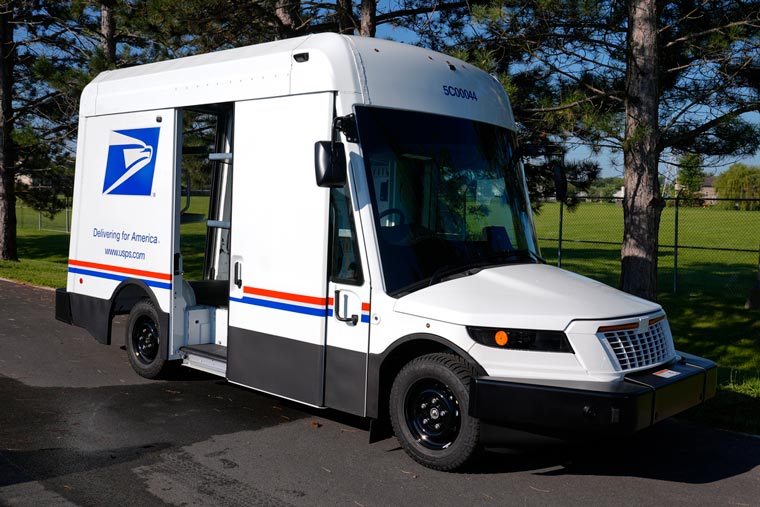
[311, 300]
[300, 298]
[119, 269]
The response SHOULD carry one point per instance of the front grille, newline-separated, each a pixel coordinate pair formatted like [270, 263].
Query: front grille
[636, 350]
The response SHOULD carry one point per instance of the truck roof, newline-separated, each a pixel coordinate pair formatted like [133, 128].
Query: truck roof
[378, 72]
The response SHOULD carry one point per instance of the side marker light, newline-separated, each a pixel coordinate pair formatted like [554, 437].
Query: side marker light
[501, 338]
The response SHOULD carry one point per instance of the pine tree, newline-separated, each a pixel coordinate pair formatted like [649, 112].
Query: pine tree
[639, 77]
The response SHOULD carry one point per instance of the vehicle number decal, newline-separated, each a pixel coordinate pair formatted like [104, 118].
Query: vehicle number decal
[461, 93]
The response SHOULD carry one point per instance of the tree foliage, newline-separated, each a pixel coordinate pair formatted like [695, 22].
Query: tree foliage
[52, 49]
[691, 176]
[606, 187]
[8, 56]
[740, 181]
[637, 77]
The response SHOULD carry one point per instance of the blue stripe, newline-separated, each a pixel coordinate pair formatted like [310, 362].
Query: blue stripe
[305, 310]
[119, 278]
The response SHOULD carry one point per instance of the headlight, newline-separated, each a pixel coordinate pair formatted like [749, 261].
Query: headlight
[521, 339]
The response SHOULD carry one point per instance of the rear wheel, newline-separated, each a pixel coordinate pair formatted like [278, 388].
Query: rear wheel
[143, 340]
[429, 405]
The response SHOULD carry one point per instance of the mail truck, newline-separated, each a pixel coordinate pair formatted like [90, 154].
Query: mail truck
[369, 247]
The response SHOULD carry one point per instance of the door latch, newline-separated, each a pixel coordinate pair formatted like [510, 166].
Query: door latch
[353, 319]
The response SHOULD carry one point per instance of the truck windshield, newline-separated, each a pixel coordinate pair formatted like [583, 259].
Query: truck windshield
[448, 196]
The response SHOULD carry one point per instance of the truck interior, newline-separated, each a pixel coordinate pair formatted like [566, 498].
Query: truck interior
[205, 219]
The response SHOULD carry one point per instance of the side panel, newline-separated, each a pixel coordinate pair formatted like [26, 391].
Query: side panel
[124, 193]
[278, 283]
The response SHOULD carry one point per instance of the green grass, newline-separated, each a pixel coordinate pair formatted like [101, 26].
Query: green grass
[192, 240]
[706, 312]
[43, 258]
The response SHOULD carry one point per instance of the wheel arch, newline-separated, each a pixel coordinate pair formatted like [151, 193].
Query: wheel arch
[126, 295]
[383, 368]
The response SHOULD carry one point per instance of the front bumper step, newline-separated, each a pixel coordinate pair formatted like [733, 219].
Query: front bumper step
[565, 408]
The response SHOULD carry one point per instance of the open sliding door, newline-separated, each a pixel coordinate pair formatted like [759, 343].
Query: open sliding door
[278, 279]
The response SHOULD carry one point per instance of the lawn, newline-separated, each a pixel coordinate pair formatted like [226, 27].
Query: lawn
[706, 311]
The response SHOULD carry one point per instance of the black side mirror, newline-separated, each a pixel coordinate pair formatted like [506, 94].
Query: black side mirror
[330, 164]
[560, 182]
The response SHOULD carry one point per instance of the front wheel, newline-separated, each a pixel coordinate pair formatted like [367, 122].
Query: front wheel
[143, 340]
[429, 405]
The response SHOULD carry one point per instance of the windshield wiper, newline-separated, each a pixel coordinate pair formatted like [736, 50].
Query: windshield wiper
[445, 272]
[516, 255]
[449, 271]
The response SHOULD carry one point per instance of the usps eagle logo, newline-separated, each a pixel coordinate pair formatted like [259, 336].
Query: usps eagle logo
[131, 161]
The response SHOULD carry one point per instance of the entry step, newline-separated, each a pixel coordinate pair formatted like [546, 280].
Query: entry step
[208, 357]
[210, 350]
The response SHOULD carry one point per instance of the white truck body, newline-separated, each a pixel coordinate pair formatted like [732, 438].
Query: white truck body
[322, 295]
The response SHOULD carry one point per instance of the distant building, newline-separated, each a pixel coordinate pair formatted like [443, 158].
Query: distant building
[708, 191]
[619, 196]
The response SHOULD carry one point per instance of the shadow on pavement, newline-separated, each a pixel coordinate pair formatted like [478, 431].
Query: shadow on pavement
[673, 450]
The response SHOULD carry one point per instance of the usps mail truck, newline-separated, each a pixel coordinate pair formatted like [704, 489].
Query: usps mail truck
[369, 247]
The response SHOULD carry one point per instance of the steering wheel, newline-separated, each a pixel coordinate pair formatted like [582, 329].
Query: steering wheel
[394, 211]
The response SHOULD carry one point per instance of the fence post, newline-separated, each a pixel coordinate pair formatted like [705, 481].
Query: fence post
[559, 244]
[68, 229]
[675, 247]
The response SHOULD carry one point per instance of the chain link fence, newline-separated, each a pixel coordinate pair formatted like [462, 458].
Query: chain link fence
[705, 246]
[30, 218]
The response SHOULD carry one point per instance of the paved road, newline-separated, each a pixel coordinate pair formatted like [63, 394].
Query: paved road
[79, 428]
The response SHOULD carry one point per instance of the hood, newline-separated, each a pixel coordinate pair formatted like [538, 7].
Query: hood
[522, 296]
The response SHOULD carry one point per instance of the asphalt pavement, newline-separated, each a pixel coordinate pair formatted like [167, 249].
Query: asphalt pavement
[79, 428]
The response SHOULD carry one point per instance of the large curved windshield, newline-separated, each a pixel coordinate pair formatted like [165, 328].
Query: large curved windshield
[448, 196]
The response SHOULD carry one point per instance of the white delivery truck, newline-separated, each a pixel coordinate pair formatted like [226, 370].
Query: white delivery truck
[370, 247]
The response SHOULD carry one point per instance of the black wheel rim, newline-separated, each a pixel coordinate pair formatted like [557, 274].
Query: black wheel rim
[145, 340]
[432, 414]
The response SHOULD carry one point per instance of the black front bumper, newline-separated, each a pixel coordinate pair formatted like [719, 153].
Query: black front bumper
[565, 408]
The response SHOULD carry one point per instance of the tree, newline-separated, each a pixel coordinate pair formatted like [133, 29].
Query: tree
[8, 15]
[639, 77]
[606, 187]
[691, 176]
[740, 181]
[49, 73]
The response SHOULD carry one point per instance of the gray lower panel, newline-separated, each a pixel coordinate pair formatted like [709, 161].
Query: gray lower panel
[344, 380]
[92, 314]
[277, 365]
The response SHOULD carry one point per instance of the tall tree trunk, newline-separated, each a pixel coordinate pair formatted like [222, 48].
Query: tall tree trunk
[643, 204]
[7, 153]
[286, 12]
[368, 21]
[108, 31]
[346, 22]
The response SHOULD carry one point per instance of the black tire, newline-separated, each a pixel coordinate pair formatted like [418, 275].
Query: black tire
[429, 405]
[143, 340]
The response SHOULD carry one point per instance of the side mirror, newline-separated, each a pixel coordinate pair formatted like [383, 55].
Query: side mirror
[330, 164]
[560, 182]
